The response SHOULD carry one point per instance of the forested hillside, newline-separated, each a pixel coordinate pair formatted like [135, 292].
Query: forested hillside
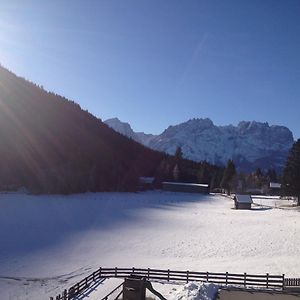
[50, 145]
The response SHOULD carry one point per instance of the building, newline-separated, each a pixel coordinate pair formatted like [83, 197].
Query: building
[242, 201]
[146, 183]
[185, 187]
[274, 189]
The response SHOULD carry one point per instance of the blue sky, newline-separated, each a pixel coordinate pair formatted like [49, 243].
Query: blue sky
[157, 63]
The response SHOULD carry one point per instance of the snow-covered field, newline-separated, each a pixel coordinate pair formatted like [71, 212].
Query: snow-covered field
[50, 242]
[274, 201]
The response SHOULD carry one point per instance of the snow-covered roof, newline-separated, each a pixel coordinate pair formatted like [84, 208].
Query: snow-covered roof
[275, 185]
[243, 198]
[187, 184]
[146, 179]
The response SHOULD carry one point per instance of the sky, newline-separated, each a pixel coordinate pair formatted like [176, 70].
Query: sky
[159, 63]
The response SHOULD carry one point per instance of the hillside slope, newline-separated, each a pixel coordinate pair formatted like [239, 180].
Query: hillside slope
[50, 145]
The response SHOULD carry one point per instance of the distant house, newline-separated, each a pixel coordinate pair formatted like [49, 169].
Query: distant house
[275, 185]
[146, 183]
[185, 187]
[274, 188]
[242, 201]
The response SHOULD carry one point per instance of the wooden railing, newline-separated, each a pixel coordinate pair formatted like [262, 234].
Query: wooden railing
[292, 282]
[109, 295]
[267, 280]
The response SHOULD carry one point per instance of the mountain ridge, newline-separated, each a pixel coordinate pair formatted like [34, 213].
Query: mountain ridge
[50, 145]
[250, 144]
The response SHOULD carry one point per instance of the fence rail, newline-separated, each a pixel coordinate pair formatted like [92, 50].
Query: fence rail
[267, 280]
[292, 282]
[120, 286]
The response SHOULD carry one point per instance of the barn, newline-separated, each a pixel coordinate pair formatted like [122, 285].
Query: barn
[242, 201]
[146, 183]
[184, 187]
[274, 188]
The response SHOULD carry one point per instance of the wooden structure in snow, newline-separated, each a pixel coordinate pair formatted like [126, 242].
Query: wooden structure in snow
[134, 288]
[146, 183]
[267, 281]
[185, 187]
[274, 188]
[242, 201]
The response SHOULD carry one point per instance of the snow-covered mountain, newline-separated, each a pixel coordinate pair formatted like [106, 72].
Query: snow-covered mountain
[121, 127]
[125, 129]
[249, 144]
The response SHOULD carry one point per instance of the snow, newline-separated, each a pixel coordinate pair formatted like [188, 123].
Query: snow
[243, 198]
[186, 184]
[248, 142]
[275, 185]
[191, 291]
[50, 242]
[195, 291]
[275, 202]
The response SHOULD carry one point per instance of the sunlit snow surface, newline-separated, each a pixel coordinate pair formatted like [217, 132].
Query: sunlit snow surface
[50, 242]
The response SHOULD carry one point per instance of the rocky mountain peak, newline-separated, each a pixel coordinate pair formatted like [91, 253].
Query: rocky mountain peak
[251, 144]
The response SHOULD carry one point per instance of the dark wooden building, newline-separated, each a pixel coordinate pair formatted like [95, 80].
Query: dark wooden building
[146, 183]
[242, 201]
[185, 187]
[274, 188]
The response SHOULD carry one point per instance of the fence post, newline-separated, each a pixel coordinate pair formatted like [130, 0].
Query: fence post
[283, 281]
[116, 271]
[168, 274]
[206, 276]
[132, 269]
[77, 287]
[100, 270]
[245, 280]
[148, 273]
[226, 278]
[187, 276]
[267, 280]
[71, 292]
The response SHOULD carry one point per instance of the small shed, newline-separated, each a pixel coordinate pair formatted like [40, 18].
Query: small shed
[184, 187]
[146, 183]
[242, 201]
[274, 188]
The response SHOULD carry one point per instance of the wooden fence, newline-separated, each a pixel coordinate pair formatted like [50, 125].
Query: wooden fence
[266, 281]
[292, 282]
[113, 292]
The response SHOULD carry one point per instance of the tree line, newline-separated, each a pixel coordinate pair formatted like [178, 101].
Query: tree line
[258, 180]
[49, 144]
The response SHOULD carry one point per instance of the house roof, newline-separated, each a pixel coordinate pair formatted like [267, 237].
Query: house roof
[186, 184]
[275, 185]
[243, 198]
[148, 180]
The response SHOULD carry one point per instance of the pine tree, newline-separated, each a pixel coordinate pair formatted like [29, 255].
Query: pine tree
[178, 154]
[272, 175]
[204, 175]
[291, 175]
[228, 176]
[176, 173]
[259, 178]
